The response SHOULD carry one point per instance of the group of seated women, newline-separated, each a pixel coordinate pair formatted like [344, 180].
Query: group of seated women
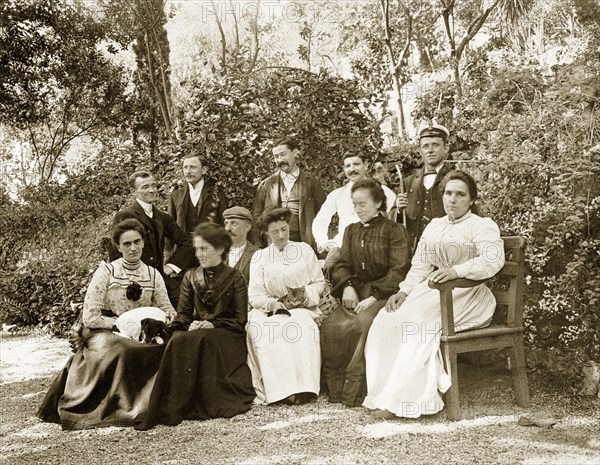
[233, 343]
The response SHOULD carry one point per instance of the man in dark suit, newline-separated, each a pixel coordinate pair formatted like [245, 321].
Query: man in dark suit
[238, 221]
[423, 190]
[293, 188]
[197, 201]
[158, 227]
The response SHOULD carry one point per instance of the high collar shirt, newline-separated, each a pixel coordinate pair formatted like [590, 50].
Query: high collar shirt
[195, 191]
[429, 179]
[146, 206]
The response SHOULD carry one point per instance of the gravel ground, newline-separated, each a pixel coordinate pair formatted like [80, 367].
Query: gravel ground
[317, 433]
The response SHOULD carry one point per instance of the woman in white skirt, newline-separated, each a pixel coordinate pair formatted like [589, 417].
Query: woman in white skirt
[286, 283]
[405, 373]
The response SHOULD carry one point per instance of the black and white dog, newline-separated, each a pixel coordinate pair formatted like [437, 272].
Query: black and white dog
[154, 331]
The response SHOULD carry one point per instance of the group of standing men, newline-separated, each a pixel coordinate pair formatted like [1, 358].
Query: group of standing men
[290, 186]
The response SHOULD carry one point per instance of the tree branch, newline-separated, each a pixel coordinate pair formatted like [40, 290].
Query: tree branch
[446, 12]
[157, 92]
[222, 34]
[473, 29]
[256, 38]
[285, 67]
[235, 25]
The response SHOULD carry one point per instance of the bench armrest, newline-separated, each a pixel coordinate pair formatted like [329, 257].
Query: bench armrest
[460, 282]
[447, 306]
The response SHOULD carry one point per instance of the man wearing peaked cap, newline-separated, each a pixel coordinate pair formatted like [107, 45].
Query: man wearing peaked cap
[434, 130]
[423, 193]
[237, 222]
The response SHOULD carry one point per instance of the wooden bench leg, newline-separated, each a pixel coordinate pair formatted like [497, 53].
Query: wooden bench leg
[519, 371]
[452, 395]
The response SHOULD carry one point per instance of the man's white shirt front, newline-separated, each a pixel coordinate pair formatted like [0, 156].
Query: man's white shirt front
[148, 211]
[429, 179]
[195, 191]
[147, 207]
[235, 254]
[289, 179]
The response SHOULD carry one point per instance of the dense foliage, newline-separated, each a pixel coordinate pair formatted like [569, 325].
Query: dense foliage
[56, 85]
[537, 159]
[52, 241]
[521, 99]
[231, 122]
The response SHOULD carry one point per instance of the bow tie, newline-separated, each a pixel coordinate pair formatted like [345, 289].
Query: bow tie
[431, 173]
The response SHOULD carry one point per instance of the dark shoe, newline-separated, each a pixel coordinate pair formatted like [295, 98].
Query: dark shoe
[289, 400]
[335, 398]
[383, 414]
[305, 398]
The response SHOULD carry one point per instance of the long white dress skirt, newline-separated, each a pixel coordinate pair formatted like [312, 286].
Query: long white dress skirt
[284, 354]
[405, 373]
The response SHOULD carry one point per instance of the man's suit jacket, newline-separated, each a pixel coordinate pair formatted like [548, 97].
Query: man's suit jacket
[157, 229]
[243, 264]
[311, 195]
[212, 205]
[415, 190]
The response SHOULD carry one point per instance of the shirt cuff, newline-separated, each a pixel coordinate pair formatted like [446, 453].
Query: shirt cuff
[175, 268]
[462, 270]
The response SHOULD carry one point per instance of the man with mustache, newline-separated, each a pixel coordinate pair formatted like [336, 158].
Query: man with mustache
[423, 193]
[293, 188]
[237, 222]
[340, 201]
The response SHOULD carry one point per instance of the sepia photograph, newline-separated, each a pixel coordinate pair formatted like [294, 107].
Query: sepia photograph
[300, 232]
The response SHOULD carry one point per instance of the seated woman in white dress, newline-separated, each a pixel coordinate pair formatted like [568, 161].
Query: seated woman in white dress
[108, 381]
[405, 373]
[286, 283]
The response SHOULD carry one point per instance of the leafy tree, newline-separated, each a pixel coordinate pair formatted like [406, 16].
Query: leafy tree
[380, 37]
[470, 16]
[55, 84]
[141, 23]
[231, 121]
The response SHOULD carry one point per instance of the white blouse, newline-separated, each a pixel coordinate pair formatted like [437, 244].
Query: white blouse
[471, 245]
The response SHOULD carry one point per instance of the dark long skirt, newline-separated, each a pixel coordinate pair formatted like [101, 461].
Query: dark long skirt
[106, 383]
[203, 375]
[343, 338]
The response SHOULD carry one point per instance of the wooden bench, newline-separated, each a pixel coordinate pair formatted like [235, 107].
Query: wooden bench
[508, 290]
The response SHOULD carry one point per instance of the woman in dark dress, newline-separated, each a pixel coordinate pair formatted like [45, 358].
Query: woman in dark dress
[375, 257]
[107, 382]
[203, 373]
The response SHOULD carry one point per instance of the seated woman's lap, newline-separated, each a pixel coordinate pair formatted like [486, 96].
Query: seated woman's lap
[263, 330]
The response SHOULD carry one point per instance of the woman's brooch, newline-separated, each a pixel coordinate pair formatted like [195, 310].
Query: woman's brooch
[133, 292]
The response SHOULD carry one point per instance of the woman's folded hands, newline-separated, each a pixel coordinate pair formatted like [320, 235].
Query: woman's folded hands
[351, 302]
[200, 324]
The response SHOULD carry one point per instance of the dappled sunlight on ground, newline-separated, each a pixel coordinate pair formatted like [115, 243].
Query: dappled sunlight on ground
[32, 356]
[404, 426]
[313, 434]
[322, 415]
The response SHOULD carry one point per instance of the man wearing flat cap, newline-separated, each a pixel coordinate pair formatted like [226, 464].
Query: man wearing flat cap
[423, 193]
[237, 222]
